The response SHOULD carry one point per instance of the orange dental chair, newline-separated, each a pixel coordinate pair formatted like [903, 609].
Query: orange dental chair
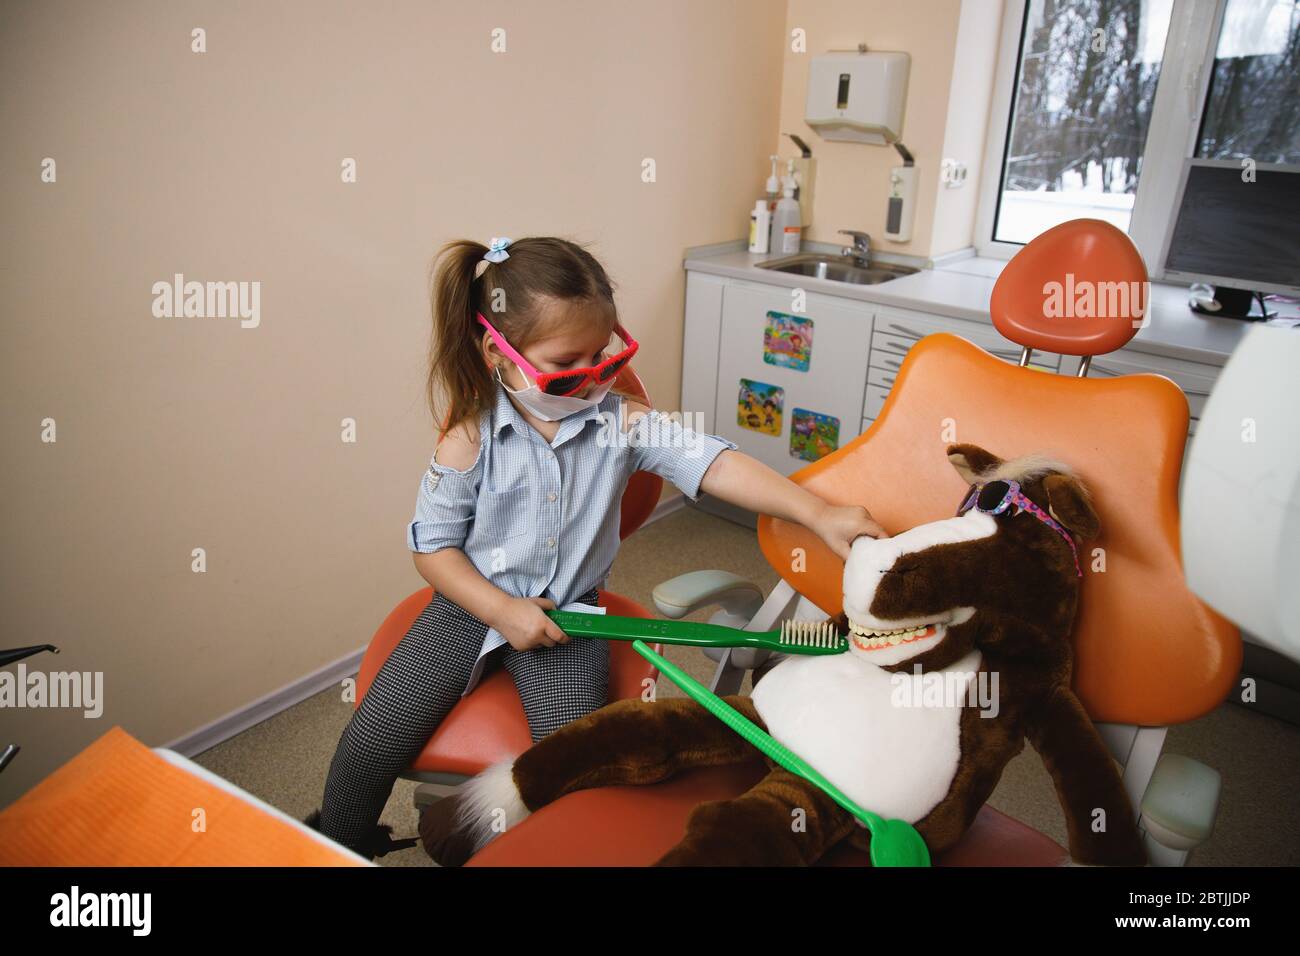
[489, 724]
[1147, 652]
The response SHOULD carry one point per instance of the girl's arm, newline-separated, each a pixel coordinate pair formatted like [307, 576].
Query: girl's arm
[741, 480]
[677, 453]
[444, 512]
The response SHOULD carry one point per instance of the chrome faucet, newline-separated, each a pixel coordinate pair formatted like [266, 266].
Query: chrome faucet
[860, 251]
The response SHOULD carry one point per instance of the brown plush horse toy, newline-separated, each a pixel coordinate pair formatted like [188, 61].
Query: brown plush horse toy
[960, 650]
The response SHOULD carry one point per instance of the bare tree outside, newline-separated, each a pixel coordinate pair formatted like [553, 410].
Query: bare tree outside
[1083, 100]
[1085, 90]
[1252, 110]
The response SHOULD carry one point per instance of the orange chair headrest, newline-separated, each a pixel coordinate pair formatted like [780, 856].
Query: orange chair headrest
[1080, 288]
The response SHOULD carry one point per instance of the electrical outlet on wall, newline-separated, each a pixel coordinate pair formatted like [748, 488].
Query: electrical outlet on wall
[952, 173]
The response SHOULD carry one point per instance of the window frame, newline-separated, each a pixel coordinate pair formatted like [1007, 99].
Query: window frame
[1185, 73]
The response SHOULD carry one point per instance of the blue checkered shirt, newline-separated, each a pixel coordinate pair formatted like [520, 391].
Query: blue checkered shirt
[542, 520]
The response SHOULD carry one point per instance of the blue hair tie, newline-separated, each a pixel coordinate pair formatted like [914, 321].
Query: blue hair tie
[497, 251]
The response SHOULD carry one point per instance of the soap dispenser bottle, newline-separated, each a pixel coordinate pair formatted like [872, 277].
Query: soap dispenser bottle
[773, 185]
[787, 223]
[773, 197]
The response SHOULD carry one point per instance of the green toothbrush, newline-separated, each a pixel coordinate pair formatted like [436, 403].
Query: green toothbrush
[792, 637]
[893, 842]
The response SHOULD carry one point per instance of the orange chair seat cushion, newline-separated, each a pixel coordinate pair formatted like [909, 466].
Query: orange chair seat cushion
[635, 826]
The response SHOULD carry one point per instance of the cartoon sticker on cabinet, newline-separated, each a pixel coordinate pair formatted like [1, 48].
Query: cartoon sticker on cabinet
[813, 435]
[787, 341]
[759, 406]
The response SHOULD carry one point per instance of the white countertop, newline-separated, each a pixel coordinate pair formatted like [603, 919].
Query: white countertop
[961, 289]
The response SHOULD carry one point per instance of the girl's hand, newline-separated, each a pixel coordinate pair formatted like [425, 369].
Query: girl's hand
[839, 525]
[525, 625]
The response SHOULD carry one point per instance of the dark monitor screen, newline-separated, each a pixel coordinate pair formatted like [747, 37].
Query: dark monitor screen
[1234, 232]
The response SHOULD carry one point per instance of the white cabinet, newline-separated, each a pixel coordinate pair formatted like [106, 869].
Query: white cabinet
[827, 387]
[897, 330]
[789, 384]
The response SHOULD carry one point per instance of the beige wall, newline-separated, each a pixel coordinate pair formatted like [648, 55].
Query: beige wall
[952, 44]
[183, 433]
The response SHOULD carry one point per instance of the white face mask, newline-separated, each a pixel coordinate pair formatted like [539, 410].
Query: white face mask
[551, 408]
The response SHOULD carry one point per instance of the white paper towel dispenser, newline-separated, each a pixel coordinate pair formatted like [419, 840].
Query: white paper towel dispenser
[858, 97]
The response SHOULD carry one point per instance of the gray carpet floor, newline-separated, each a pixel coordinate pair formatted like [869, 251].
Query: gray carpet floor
[284, 760]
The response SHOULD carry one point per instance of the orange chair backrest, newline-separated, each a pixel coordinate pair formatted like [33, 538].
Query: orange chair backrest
[1146, 650]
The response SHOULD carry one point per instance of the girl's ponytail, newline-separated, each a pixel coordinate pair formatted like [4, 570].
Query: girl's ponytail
[453, 350]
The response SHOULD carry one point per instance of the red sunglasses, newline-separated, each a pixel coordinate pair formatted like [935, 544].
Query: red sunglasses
[570, 380]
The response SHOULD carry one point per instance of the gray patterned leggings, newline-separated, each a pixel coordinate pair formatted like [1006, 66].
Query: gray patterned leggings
[418, 685]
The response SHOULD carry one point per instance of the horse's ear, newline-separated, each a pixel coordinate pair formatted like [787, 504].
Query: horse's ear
[971, 461]
[1068, 503]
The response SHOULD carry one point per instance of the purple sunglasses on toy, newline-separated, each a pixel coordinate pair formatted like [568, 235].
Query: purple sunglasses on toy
[995, 497]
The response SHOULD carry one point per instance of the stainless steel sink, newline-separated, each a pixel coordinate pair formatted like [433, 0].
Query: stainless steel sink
[837, 268]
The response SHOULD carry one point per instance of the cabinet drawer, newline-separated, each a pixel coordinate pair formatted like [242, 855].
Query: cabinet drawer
[1010, 352]
[881, 376]
[876, 396]
[888, 349]
[1194, 379]
[909, 326]
[885, 346]
[886, 361]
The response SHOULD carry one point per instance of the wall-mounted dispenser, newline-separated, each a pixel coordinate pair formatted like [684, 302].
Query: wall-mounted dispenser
[805, 171]
[858, 97]
[901, 209]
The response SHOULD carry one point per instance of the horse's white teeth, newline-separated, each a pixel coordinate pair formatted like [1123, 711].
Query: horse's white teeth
[869, 632]
[868, 639]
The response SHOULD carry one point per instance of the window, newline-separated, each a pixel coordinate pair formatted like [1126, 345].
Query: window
[1252, 109]
[1081, 108]
[1098, 103]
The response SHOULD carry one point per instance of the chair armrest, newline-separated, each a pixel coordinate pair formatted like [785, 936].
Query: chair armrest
[740, 600]
[1181, 802]
[679, 596]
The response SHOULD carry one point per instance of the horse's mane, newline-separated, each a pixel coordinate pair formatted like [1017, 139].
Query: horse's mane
[1030, 467]
[1027, 468]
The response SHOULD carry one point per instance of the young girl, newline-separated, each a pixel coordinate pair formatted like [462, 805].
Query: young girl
[519, 510]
